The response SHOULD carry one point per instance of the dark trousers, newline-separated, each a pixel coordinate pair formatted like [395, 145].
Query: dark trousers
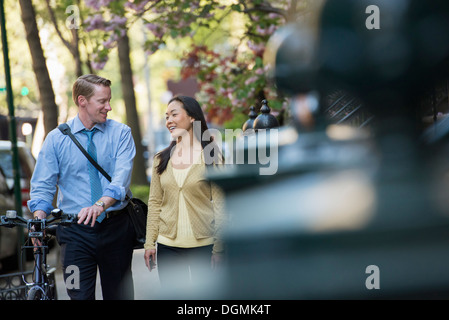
[107, 246]
[183, 268]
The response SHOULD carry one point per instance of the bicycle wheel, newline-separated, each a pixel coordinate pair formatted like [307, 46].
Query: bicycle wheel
[35, 293]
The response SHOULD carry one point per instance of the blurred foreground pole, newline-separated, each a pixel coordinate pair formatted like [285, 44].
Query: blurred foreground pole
[12, 119]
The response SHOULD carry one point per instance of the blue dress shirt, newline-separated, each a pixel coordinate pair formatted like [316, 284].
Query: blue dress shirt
[61, 165]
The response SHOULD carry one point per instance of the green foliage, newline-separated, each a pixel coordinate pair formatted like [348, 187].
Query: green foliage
[141, 191]
[227, 45]
[236, 122]
[226, 41]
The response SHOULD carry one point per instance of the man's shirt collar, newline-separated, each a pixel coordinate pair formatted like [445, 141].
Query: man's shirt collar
[78, 125]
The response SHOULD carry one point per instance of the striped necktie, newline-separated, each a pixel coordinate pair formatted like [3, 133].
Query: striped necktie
[96, 190]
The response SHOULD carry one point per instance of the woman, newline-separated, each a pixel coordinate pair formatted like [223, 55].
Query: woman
[185, 210]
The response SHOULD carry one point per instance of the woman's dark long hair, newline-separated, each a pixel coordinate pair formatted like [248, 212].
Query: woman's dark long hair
[193, 109]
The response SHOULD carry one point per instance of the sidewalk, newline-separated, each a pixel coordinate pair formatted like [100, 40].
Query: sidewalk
[146, 283]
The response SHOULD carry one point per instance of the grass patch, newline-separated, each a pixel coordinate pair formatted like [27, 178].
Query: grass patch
[141, 192]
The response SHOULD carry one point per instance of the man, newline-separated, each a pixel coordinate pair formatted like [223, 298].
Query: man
[103, 236]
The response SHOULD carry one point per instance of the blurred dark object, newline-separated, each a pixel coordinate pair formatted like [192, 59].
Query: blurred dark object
[9, 245]
[26, 168]
[343, 202]
[249, 123]
[20, 122]
[292, 55]
[12, 286]
[265, 120]
[410, 47]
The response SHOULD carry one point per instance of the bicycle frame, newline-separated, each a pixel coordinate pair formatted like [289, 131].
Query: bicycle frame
[40, 282]
[40, 288]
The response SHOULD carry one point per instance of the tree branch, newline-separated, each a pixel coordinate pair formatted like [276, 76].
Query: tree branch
[55, 23]
[263, 7]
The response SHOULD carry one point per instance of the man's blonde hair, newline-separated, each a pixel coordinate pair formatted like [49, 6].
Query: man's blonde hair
[85, 86]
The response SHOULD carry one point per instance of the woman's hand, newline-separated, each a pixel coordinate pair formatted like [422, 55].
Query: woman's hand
[150, 258]
[216, 260]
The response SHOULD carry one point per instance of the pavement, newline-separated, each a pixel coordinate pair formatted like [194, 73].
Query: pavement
[146, 283]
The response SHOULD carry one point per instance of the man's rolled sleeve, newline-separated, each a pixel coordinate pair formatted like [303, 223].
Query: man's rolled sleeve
[45, 175]
[115, 192]
[39, 204]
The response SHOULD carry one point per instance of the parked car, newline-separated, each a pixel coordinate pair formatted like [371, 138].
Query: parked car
[8, 236]
[27, 163]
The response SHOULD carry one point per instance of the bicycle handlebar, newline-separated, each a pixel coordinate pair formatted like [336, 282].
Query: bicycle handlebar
[11, 219]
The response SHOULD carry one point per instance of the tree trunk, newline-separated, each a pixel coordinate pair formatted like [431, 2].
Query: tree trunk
[46, 93]
[76, 53]
[73, 45]
[139, 176]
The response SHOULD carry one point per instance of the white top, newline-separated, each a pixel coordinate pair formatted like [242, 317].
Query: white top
[185, 237]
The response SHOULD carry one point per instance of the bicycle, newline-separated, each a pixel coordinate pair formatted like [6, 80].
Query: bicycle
[41, 231]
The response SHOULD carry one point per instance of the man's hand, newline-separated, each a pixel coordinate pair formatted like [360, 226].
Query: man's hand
[89, 214]
[39, 214]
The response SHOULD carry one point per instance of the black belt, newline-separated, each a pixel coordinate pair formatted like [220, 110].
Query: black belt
[111, 214]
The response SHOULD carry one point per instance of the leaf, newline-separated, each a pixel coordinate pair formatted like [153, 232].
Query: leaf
[236, 7]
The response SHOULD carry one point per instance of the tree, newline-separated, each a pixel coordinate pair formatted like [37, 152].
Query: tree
[73, 44]
[131, 108]
[119, 38]
[47, 96]
[230, 80]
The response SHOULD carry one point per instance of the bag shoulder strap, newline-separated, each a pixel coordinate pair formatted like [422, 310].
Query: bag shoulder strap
[65, 129]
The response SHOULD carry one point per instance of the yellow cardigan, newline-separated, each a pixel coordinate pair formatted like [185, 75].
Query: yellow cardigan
[207, 217]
